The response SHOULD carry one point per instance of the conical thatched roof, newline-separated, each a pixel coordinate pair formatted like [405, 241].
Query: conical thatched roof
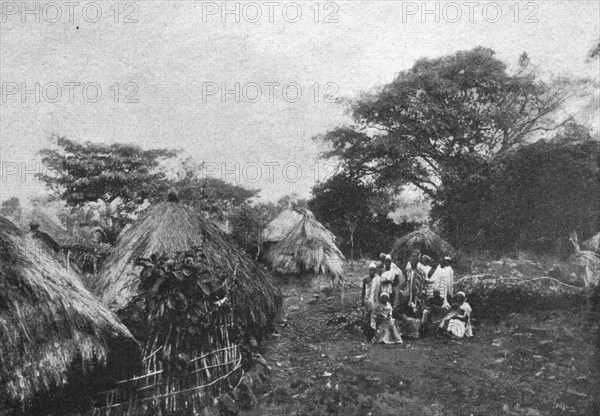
[47, 225]
[585, 266]
[307, 247]
[593, 244]
[52, 330]
[423, 239]
[281, 226]
[174, 227]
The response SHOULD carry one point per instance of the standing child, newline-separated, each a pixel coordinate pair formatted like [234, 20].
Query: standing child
[383, 323]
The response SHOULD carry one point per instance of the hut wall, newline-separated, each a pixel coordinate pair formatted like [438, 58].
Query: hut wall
[208, 375]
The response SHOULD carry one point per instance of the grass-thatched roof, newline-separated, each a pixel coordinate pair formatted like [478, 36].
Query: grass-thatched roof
[307, 247]
[281, 226]
[174, 227]
[423, 239]
[593, 244]
[52, 330]
[47, 225]
[585, 267]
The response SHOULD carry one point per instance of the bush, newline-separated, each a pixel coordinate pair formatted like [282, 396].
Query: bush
[530, 198]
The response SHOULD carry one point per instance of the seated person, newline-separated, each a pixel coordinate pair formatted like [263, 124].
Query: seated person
[457, 323]
[383, 323]
[435, 310]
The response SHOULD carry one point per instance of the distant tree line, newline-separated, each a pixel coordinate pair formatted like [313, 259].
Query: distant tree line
[530, 198]
[466, 130]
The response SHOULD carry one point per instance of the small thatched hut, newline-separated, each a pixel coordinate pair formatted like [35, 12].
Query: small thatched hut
[308, 247]
[583, 265]
[174, 227]
[55, 336]
[423, 239]
[593, 244]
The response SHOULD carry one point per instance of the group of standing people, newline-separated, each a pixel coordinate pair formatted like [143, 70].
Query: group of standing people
[414, 301]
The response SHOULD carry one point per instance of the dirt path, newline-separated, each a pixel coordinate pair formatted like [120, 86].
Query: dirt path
[541, 364]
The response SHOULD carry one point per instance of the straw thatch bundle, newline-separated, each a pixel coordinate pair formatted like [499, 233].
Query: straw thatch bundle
[423, 239]
[173, 227]
[47, 225]
[52, 330]
[307, 248]
[593, 244]
[281, 226]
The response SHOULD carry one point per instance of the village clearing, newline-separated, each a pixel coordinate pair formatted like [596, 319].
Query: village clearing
[531, 364]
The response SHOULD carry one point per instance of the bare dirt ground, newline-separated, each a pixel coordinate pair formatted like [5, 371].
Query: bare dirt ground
[543, 363]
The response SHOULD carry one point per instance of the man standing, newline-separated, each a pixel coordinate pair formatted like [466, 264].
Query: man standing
[368, 286]
[416, 275]
[448, 276]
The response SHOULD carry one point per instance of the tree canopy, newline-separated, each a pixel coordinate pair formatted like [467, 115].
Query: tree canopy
[529, 198]
[84, 172]
[357, 213]
[432, 117]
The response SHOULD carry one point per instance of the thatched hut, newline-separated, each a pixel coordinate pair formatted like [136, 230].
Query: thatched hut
[424, 240]
[181, 240]
[281, 226]
[308, 247]
[174, 227]
[583, 265]
[593, 244]
[55, 336]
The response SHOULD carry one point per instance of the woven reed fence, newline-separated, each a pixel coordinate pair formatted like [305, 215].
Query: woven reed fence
[158, 392]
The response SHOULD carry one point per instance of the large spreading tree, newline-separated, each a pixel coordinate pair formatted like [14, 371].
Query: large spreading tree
[423, 126]
[82, 172]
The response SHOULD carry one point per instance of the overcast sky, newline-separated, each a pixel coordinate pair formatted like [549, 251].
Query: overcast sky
[171, 61]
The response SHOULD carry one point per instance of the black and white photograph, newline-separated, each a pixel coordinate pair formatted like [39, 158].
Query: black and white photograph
[303, 208]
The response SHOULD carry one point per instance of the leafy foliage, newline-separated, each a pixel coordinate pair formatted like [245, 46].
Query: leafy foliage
[181, 303]
[356, 211]
[12, 208]
[423, 125]
[87, 172]
[212, 196]
[530, 198]
[248, 222]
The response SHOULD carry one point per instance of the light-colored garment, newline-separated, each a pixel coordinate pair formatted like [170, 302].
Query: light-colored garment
[450, 281]
[386, 331]
[456, 327]
[382, 284]
[368, 289]
[375, 290]
[387, 282]
[439, 281]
